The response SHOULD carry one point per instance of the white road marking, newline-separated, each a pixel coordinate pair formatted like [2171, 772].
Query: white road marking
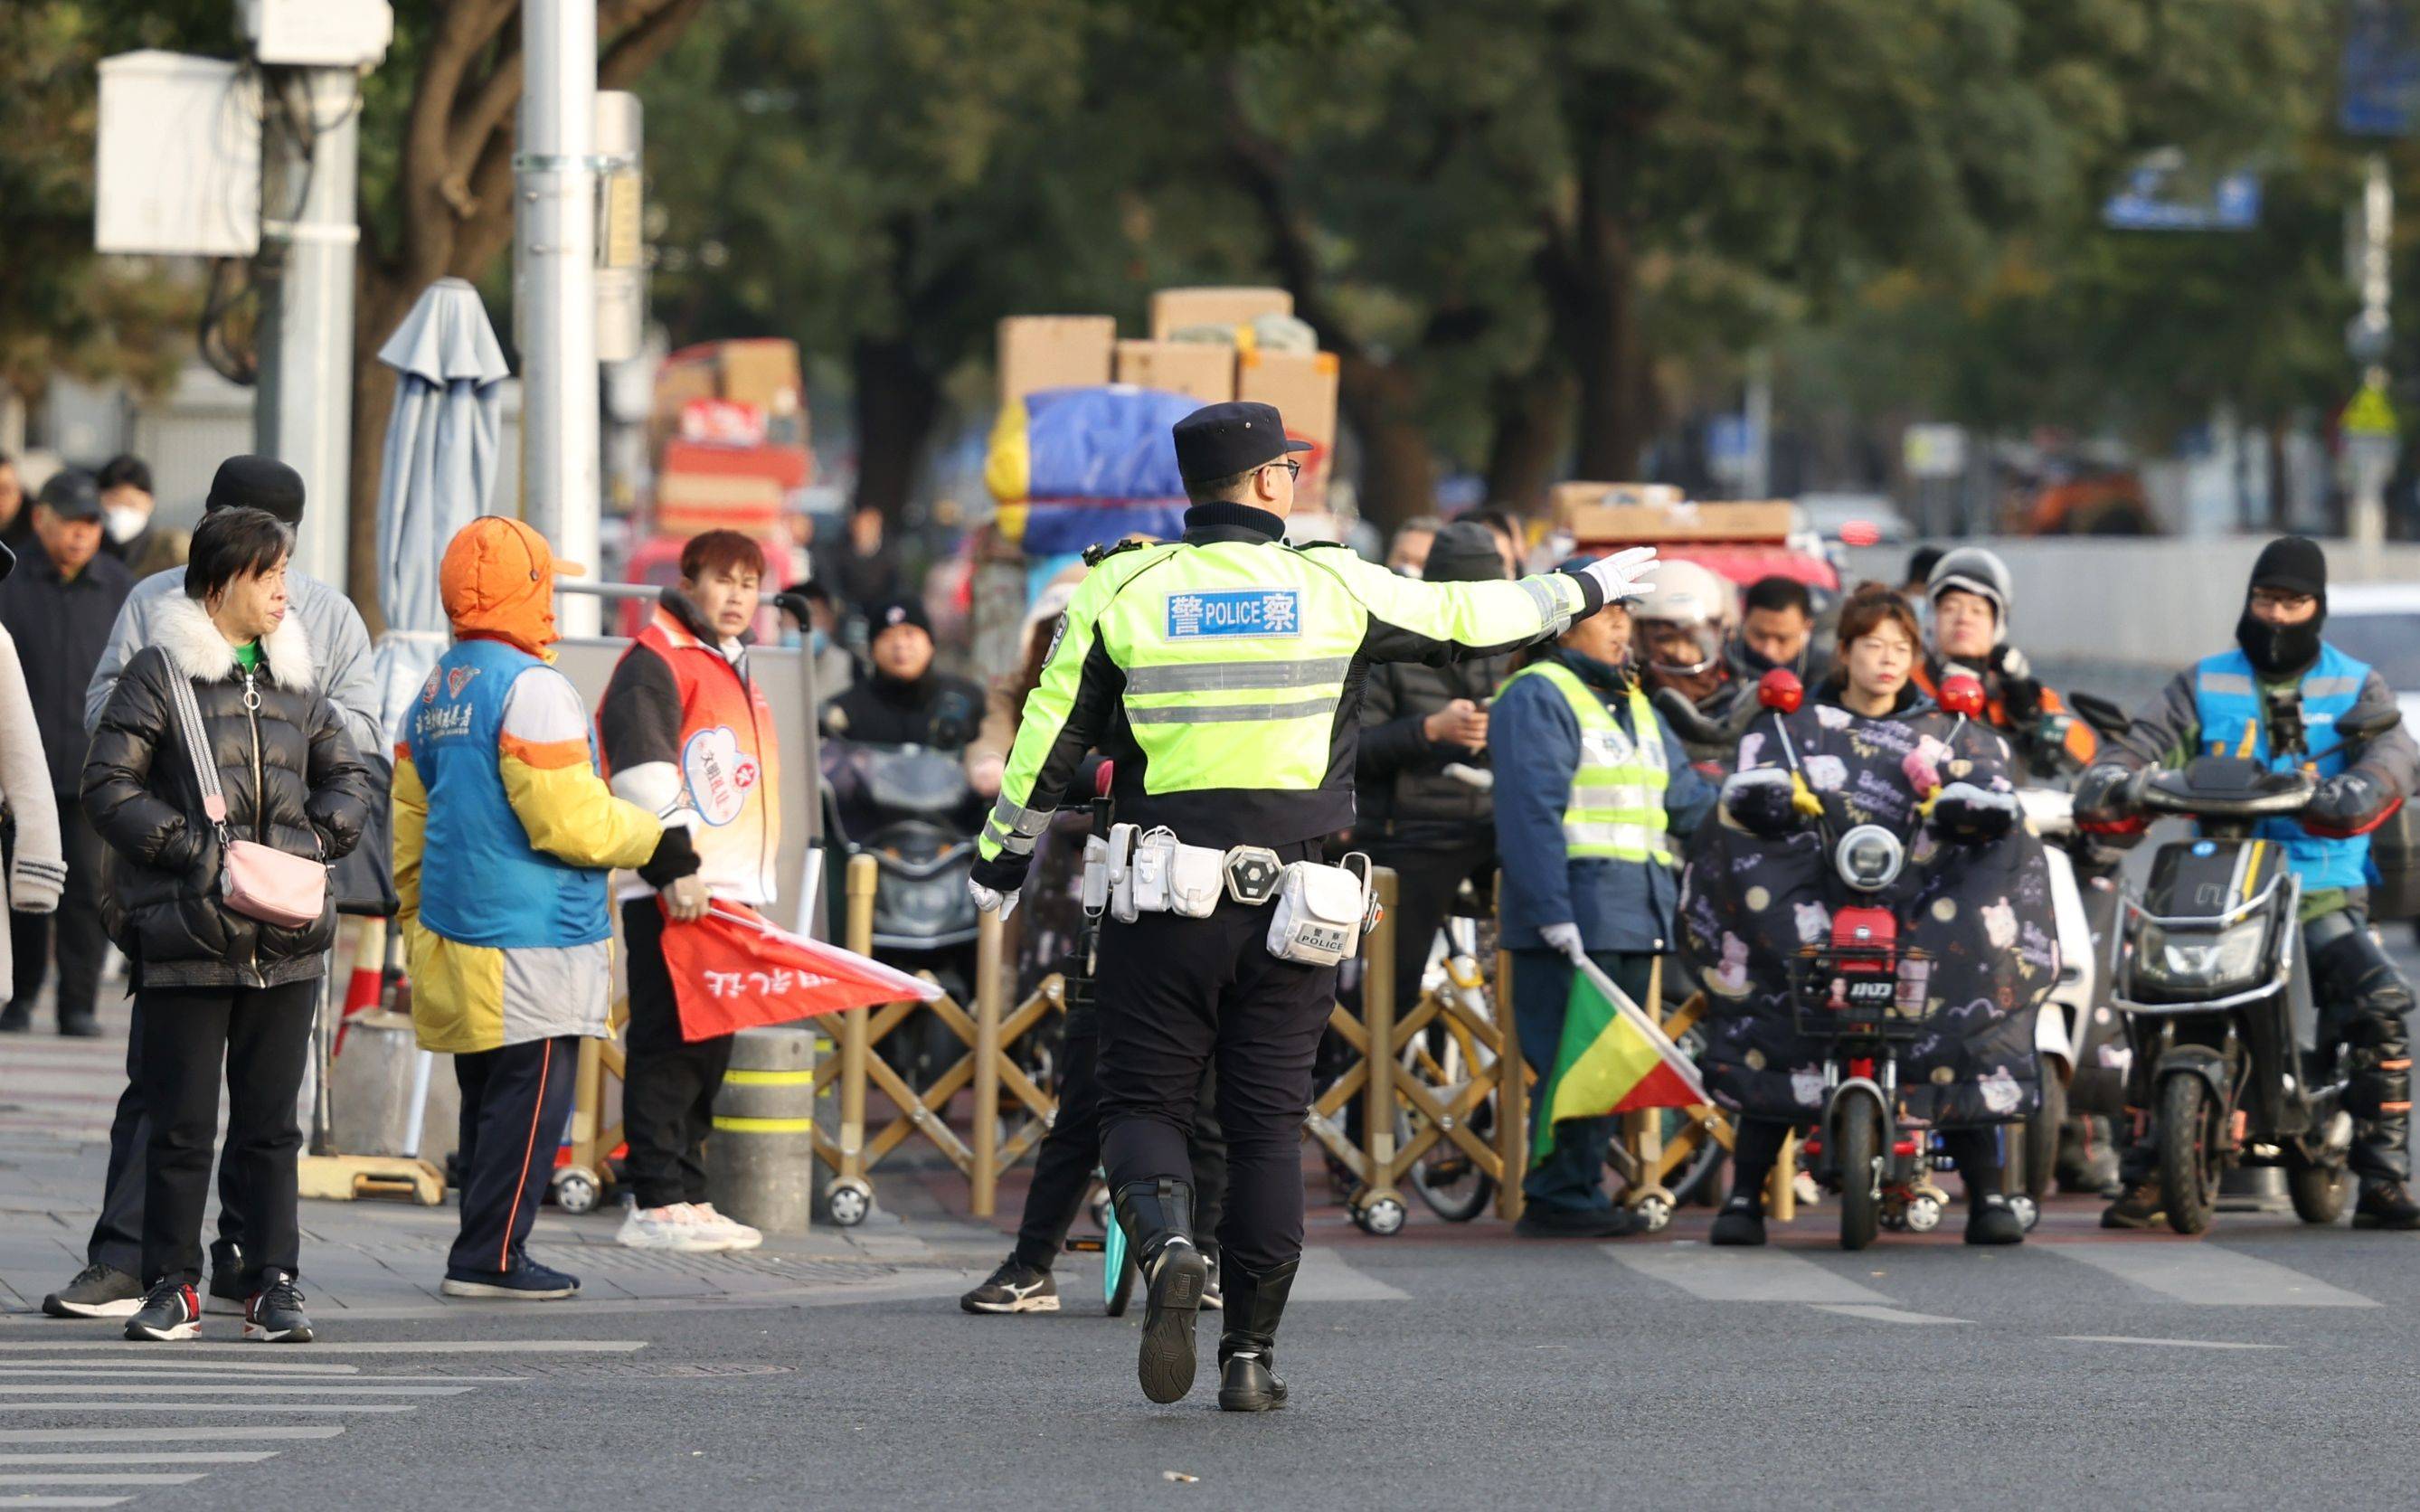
[11, 1366]
[1742, 1274]
[252, 1351]
[207, 1406]
[2210, 1276]
[215, 1434]
[62, 1501]
[303, 1388]
[2171, 1344]
[1882, 1315]
[1328, 1276]
[197, 1457]
[77, 1479]
[229, 1378]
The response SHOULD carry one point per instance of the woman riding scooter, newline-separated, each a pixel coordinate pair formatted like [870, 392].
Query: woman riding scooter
[1972, 900]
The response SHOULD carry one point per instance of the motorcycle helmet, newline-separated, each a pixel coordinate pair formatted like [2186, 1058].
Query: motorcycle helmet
[1692, 597]
[1972, 569]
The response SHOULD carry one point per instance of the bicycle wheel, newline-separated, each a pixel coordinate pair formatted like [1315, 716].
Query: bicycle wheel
[1117, 1269]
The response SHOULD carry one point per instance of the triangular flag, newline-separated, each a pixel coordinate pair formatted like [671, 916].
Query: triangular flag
[732, 970]
[1612, 1059]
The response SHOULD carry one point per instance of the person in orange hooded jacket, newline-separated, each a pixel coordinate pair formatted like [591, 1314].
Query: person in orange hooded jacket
[504, 836]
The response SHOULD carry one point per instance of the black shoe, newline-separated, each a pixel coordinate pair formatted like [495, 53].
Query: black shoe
[1158, 1218]
[171, 1311]
[1993, 1221]
[79, 1027]
[1014, 1287]
[527, 1281]
[2386, 1205]
[1741, 1222]
[16, 1018]
[1538, 1222]
[275, 1315]
[1247, 1377]
[98, 1291]
[2143, 1206]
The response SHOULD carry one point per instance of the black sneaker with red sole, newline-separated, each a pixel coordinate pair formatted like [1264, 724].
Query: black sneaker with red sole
[171, 1311]
[274, 1314]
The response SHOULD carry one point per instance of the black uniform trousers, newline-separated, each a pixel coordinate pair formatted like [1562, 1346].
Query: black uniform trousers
[117, 1234]
[262, 1036]
[1062, 1168]
[669, 1086]
[76, 926]
[1175, 996]
[514, 1104]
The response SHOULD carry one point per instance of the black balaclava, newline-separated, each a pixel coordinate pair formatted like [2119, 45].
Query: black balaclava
[2294, 565]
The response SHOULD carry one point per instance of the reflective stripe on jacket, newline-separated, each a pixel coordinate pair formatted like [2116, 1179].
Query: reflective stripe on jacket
[2228, 706]
[1616, 809]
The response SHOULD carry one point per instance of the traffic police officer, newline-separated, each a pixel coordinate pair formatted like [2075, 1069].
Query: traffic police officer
[1223, 675]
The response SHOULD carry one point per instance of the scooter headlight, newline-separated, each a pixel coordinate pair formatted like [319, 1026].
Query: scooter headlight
[1869, 857]
[2201, 962]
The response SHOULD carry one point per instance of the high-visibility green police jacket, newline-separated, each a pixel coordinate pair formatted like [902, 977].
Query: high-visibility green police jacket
[1223, 675]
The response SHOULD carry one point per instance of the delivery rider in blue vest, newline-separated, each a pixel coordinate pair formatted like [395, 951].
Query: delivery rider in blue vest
[2221, 706]
[1223, 675]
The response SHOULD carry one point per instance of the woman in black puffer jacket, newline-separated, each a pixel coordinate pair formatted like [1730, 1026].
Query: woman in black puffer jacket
[212, 984]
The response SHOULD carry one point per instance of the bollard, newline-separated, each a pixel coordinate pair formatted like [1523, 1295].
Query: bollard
[984, 1179]
[760, 1166]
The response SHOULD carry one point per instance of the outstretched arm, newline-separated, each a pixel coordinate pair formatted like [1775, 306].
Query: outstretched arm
[1436, 622]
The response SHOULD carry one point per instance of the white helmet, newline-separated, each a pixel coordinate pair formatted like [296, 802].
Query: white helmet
[1695, 597]
[1972, 569]
[1687, 593]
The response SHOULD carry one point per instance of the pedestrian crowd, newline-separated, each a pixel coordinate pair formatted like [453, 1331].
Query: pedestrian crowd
[194, 768]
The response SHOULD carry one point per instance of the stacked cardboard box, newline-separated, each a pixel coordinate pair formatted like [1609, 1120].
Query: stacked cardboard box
[1073, 352]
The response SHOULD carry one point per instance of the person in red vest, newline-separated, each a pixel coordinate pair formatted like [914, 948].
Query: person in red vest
[687, 734]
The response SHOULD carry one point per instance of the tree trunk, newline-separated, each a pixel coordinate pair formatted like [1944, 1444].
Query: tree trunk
[1529, 412]
[1614, 402]
[898, 404]
[1398, 469]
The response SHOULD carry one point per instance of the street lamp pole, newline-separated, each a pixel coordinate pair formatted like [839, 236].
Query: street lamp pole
[555, 242]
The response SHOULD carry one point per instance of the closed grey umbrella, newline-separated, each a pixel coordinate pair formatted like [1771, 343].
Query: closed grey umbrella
[438, 474]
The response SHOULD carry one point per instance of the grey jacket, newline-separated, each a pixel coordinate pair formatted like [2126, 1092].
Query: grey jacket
[339, 641]
[2167, 732]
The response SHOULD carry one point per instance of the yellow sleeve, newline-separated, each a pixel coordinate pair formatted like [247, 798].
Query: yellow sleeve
[410, 820]
[550, 780]
[1412, 620]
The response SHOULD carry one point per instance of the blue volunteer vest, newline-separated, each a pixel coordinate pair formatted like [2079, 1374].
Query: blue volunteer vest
[2226, 700]
[481, 881]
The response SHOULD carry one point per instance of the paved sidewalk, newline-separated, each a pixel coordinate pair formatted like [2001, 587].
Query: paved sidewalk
[384, 1259]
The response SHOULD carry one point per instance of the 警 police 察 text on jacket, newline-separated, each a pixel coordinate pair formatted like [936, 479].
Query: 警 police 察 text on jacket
[292, 781]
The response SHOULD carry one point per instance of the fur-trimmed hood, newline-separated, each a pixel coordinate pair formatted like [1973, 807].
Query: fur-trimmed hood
[194, 644]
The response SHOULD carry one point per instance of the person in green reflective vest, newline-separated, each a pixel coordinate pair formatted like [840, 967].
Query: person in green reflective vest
[1592, 790]
[1223, 675]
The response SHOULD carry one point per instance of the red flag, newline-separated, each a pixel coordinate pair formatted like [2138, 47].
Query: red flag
[731, 971]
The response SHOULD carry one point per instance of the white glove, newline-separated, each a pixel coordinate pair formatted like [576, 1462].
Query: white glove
[993, 900]
[1563, 937]
[1618, 574]
[685, 899]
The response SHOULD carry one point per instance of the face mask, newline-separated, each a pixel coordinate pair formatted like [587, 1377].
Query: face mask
[123, 522]
[2278, 649]
[819, 640]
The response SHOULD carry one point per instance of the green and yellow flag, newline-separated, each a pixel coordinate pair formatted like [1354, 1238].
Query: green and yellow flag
[1613, 1059]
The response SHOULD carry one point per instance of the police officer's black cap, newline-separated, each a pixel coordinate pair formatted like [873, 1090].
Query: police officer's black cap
[1221, 440]
[70, 494]
[257, 482]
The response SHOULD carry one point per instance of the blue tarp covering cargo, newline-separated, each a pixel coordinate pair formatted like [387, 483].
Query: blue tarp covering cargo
[1107, 443]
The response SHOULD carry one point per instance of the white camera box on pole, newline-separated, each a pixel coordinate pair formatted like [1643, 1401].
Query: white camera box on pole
[179, 169]
[322, 34]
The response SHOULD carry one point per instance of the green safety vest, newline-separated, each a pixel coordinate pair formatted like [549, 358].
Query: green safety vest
[1233, 658]
[1616, 809]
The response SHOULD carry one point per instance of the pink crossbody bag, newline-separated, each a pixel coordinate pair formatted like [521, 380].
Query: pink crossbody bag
[255, 880]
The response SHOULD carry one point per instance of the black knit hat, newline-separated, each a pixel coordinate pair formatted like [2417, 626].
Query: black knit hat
[2293, 564]
[1464, 552]
[259, 482]
[892, 613]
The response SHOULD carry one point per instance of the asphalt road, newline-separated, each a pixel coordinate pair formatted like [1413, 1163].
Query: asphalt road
[1444, 1367]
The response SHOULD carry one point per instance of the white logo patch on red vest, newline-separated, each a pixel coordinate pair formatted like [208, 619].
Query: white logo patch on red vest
[717, 774]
